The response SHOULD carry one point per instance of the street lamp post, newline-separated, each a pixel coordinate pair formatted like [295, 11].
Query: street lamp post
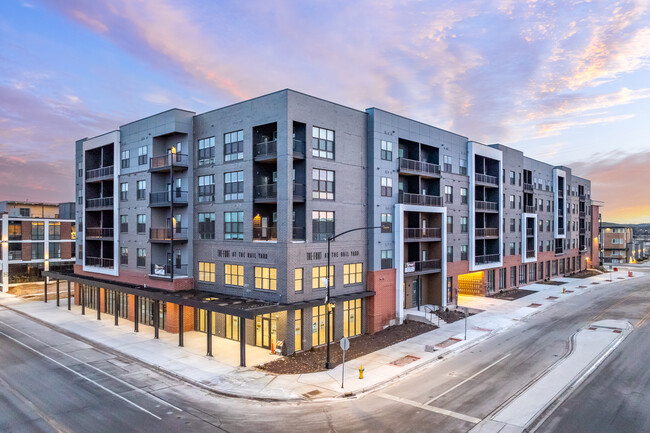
[172, 154]
[328, 364]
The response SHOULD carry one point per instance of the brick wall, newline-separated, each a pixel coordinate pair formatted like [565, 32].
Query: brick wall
[171, 324]
[141, 278]
[381, 307]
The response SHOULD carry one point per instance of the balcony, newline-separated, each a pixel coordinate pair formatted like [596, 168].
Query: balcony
[101, 203]
[266, 150]
[419, 199]
[164, 162]
[487, 232]
[528, 187]
[298, 192]
[423, 267]
[165, 234]
[485, 259]
[299, 234]
[411, 166]
[582, 197]
[164, 198]
[99, 262]
[165, 271]
[582, 230]
[265, 234]
[486, 179]
[560, 230]
[298, 149]
[99, 233]
[99, 174]
[267, 193]
[559, 250]
[530, 232]
[529, 209]
[422, 234]
[581, 214]
[489, 206]
[15, 255]
[583, 248]
[530, 254]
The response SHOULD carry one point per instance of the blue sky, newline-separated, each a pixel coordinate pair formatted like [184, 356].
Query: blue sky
[566, 82]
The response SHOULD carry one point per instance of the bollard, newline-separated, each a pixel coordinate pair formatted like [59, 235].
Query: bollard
[361, 370]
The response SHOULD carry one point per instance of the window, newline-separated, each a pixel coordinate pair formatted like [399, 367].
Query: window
[449, 194]
[463, 167]
[513, 276]
[463, 195]
[386, 187]
[450, 254]
[80, 169]
[386, 150]
[519, 178]
[54, 230]
[386, 223]
[540, 225]
[297, 340]
[206, 151]
[352, 318]
[512, 178]
[512, 225]
[450, 224]
[512, 201]
[142, 189]
[124, 191]
[80, 197]
[142, 155]
[234, 185]
[297, 279]
[54, 250]
[512, 248]
[125, 159]
[37, 251]
[124, 256]
[519, 199]
[522, 274]
[234, 275]
[142, 258]
[463, 252]
[322, 184]
[548, 225]
[322, 225]
[233, 146]
[447, 163]
[206, 225]
[233, 226]
[386, 259]
[502, 278]
[353, 273]
[322, 143]
[541, 246]
[38, 231]
[319, 277]
[463, 224]
[206, 272]
[265, 278]
[206, 188]
[318, 321]
[142, 223]
[15, 231]
[548, 205]
[548, 245]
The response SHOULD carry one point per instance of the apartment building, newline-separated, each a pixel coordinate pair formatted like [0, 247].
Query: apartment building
[218, 222]
[35, 237]
[619, 244]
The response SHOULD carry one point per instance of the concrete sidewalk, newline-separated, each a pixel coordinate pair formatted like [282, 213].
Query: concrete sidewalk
[223, 375]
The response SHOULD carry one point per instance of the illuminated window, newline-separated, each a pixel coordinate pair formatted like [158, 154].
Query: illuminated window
[353, 273]
[265, 278]
[206, 272]
[234, 275]
[318, 320]
[352, 318]
[318, 274]
[297, 279]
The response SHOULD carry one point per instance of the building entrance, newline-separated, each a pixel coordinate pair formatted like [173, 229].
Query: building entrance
[266, 331]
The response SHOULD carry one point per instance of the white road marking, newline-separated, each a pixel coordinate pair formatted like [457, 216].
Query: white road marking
[82, 376]
[468, 379]
[430, 408]
[95, 368]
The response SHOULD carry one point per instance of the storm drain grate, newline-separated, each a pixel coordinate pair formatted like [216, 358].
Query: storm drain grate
[595, 283]
[535, 305]
[591, 328]
[620, 278]
[618, 331]
[582, 287]
[568, 291]
[313, 393]
[405, 360]
[448, 342]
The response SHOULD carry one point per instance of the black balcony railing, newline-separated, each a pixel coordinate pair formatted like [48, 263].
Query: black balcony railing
[299, 234]
[166, 270]
[528, 187]
[165, 234]
[560, 230]
[530, 232]
[434, 265]
[530, 254]
[15, 255]
[581, 214]
[488, 258]
[101, 202]
[487, 232]
[298, 191]
[486, 205]
[582, 197]
[265, 234]
[163, 198]
[165, 161]
[529, 209]
[266, 191]
[99, 232]
[422, 233]
[420, 167]
[486, 178]
[266, 149]
[99, 172]
[419, 199]
[298, 148]
[99, 262]
[583, 248]
[582, 230]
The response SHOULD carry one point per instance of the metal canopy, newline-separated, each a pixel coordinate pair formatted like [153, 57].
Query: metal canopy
[233, 305]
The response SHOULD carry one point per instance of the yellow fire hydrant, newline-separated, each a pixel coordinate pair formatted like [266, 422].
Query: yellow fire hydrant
[563, 289]
[361, 372]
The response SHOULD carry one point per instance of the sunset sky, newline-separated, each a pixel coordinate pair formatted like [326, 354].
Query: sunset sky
[567, 82]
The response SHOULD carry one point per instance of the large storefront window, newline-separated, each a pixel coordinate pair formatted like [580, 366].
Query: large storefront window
[352, 318]
[202, 322]
[109, 303]
[318, 320]
[297, 330]
[147, 312]
[266, 330]
[89, 296]
[232, 327]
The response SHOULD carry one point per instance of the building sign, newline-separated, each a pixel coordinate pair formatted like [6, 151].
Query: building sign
[409, 267]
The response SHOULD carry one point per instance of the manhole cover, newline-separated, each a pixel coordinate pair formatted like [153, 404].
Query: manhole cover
[405, 360]
[534, 305]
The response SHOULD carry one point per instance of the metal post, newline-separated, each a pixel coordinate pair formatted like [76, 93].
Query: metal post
[466, 323]
[171, 214]
[156, 318]
[136, 313]
[328, 364]
[180, 325]
[116, 305]
[99, 304]
[45, 290]
[81, 299]
[57, 293]
[242, 342]
[343, 370]
[209, 333]
[69, 301]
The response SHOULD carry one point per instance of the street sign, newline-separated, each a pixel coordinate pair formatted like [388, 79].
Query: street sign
[345, 343]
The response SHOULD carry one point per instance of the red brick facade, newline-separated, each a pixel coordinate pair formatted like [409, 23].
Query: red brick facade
[381, 307]
[171, 324]
[142, 279]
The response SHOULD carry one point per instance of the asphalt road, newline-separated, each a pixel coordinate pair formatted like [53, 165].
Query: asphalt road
[50, 381]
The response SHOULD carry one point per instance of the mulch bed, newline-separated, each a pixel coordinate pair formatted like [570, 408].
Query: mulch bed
[551, 283]
[311, 361]
[511, 295]
[452, 316]
[586, 273]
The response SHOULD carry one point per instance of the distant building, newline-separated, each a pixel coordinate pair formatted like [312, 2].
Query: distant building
[619, 245]
[36, 237]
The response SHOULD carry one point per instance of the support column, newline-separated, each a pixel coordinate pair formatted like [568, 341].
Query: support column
[156, 319]
[99, 304]
[82, 288]
[136, 312]
[45, 291]
[180, 325]
[4, 245]
[209, 333]
[57, 293]
[69, 300]
[242, 341]
[116, 306]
